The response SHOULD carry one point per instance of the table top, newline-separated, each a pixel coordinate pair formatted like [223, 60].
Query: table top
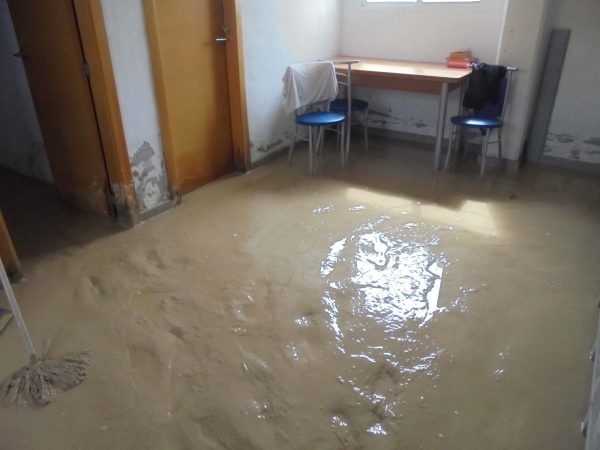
[403, 69]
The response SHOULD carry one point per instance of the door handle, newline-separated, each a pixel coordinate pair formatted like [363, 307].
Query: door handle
[221, 39]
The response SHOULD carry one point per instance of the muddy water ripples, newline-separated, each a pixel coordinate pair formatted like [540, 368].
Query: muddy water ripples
[383, 286]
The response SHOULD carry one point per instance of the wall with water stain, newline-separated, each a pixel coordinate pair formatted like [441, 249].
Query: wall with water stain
[135, 86]
[506, 32]
[276, 34]
[417, 32]
[21, 144]
[575, 126]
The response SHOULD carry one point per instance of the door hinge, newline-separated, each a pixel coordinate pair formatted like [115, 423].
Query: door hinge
[86, 70]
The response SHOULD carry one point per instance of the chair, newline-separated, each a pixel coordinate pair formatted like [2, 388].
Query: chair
[487, 118]
[348, 105]
[309, 89]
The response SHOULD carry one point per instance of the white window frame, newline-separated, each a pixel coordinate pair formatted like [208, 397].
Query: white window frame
[414, 2]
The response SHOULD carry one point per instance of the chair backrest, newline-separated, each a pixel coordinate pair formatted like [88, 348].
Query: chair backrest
[343, 74]
[307, 84]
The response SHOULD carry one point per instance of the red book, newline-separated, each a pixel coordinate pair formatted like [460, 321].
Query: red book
[460, 63]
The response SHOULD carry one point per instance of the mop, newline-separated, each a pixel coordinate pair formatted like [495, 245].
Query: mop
[39, 381]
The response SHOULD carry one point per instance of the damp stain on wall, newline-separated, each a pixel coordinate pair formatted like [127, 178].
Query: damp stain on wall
[383, 119]
[574, 148]
[263, 149]
[387, 120]
[593, 141]
[565, 138]
[149, 177]
[270, 147]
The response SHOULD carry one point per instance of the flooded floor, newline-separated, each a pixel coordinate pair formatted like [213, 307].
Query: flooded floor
[364, 310]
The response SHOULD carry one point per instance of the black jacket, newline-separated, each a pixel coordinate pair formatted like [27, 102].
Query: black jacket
[484, 86]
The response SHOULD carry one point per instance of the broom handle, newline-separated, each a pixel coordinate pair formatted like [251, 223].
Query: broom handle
[12, 300]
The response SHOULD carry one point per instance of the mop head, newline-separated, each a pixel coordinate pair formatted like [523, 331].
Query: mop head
[36, 384]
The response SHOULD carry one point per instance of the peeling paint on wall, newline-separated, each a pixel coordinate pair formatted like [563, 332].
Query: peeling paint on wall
[576, 116]
[564, 138]
[149, 177]
[133, 75]
[567, 146]
[593, 141]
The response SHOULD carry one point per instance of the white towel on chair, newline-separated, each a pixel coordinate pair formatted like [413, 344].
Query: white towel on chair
[308, 83]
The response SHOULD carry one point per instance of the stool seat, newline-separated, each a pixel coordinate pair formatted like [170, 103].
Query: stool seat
[320, 119]
[477, 122]
[341, 105]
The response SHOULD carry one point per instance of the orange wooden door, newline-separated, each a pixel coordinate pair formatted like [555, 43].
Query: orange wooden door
[190, 71]
[50, 46]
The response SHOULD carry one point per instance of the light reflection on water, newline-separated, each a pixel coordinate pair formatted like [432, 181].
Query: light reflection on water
[389, 276]
[383, 285]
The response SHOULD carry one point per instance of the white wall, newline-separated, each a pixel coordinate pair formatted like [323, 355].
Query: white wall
[278, 33]
[135, 86]
[21, 144]
[575, 126]
[422, 32]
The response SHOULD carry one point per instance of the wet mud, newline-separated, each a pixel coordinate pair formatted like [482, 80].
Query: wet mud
[350, 311]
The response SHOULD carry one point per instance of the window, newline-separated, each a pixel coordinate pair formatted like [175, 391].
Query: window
[421, 1]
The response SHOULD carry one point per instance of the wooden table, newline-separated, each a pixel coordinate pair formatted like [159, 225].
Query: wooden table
[427, 78]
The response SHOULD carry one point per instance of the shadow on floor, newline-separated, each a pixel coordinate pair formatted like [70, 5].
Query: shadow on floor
[404, 169]
[40, 223]
[395, 168]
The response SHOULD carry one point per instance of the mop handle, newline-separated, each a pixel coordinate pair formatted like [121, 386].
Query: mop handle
[12, 300]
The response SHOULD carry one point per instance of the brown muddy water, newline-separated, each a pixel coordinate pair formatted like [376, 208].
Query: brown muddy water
[357, 311]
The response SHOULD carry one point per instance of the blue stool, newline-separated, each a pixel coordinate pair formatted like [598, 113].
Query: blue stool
[341, 106]
[319, 120]
[485, 125]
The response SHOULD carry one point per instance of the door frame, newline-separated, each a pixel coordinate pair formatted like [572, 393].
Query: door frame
[94, 40]
[8, 254]
[234, 48]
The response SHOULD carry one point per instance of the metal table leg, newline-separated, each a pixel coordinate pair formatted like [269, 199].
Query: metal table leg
[311, 168]
[441, 125]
